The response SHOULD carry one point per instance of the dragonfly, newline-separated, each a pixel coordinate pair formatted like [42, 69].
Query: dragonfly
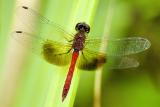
[60, 47]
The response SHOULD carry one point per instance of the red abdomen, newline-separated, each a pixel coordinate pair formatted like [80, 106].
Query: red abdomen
[70, 74]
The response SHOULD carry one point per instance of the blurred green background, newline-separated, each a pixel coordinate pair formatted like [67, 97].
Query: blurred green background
[28, 81]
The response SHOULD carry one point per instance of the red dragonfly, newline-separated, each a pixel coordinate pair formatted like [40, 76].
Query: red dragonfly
[59, 47]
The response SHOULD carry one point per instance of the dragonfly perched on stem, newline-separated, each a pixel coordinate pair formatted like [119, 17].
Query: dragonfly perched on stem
[59, 47]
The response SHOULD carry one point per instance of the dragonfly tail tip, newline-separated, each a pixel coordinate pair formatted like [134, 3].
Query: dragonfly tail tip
[63, 98]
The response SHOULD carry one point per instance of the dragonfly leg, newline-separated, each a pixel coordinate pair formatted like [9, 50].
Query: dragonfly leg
[84, 56]
[64, 53]
[70, 40]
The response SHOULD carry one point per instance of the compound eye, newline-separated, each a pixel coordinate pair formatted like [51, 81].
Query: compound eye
[80, 26]
[87, 29]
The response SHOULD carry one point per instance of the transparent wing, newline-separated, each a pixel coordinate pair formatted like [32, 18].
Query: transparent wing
[35, 22]
[117, 62]
[91, 60]
[53, 52]
[120, 47]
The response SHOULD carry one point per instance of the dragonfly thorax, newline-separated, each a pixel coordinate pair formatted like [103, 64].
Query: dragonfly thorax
[79, 41]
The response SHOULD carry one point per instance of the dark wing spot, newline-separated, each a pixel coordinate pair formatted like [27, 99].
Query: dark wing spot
[93, 64]
[48, 48]
[25, 7]
[18, 31]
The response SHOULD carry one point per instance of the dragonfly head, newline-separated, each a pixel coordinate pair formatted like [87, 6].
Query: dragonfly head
[82, 26]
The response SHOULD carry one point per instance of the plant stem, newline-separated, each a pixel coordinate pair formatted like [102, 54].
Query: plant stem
[98, 76]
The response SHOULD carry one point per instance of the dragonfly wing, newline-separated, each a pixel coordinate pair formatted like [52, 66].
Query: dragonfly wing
[122, 62]
[35, 22]
[120, 47]
[53, 52]
[90, 60]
